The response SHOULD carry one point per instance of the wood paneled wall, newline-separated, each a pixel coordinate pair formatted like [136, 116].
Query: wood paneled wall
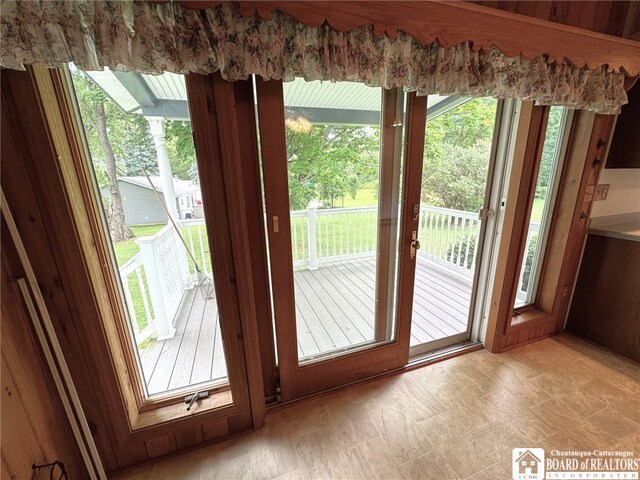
[35, 429]
[604, 16]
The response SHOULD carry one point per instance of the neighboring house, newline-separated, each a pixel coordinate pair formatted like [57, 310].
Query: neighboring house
[143, 207]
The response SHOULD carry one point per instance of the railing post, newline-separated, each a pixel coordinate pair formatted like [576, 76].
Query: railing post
[148, 254]
[182, 254]
[311, 224]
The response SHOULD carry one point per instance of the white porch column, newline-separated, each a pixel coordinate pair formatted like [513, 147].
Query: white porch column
[156, 125]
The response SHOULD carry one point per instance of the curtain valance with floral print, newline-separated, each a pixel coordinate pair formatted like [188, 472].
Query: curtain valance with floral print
[154, 38]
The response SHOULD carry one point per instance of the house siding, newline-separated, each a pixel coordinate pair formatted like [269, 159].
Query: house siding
[141, 206]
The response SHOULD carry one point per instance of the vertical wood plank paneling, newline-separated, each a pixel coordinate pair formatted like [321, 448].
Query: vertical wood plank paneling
[238, 423]
[35, 428]
[188, 437]
[604, 16]
[20, 442]
[215, 428]
[24, 139]
[130, 453]
[5, 470]
[161, 445]
[582, 14]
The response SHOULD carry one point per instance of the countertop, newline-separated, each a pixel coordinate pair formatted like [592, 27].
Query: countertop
[625, 227]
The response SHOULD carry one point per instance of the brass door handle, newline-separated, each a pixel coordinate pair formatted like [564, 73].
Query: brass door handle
[415, 244]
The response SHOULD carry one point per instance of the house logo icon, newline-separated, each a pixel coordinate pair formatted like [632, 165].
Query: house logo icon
[528, 463]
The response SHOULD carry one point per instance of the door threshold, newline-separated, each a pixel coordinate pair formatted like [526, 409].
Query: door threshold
[416, 361]
[434, 356]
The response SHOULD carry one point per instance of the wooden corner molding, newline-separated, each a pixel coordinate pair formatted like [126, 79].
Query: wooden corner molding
[451, 23]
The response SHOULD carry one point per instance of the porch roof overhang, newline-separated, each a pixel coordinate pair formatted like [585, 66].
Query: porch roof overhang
[345, 102]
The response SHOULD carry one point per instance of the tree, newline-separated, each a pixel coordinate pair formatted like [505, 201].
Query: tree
[551, 139]
[326, 162]
[457, 152]
[182, 153]
[92, 102]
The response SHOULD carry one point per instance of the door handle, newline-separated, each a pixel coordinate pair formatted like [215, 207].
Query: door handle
[485, 213]
[415, 244]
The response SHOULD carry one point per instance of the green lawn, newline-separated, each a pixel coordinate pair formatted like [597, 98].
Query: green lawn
[536, 212]
[367, 197]
[126, 250]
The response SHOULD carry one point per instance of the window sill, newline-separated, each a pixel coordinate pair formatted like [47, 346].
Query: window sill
[219, 404]
[527, 314]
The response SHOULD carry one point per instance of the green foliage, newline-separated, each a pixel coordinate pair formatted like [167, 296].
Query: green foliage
[456, 252]
[327, 162]
[182, 152]
[457, 154]
[528, 263]
[457, 179]
[128, 133]
[552, 137]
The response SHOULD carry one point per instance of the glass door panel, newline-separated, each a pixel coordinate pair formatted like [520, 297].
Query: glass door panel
[139, 135]
[332, 167]
[338, 233]
[456, 172]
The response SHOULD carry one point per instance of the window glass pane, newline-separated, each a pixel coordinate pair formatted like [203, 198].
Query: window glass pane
[333, 134]
[457, 153]
[143, 157]
[548, 177]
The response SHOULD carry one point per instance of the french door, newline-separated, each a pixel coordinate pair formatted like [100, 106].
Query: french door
[343, 183]
[459, 199]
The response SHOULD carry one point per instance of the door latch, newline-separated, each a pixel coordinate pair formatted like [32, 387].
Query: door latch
[485, 213]
[415, 244]
[416, 211]
[194, 397]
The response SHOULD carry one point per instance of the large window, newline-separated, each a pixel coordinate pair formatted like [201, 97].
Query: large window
[142, 154]
[547, 183]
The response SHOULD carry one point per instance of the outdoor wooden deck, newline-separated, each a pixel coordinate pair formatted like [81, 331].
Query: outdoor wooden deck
[334, 307]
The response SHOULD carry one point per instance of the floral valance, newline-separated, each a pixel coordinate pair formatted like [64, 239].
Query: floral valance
[154, 38]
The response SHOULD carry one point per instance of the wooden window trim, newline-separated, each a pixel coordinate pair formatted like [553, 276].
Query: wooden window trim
[535, 311]
[584, 158]
[145, 418]
[523, 207]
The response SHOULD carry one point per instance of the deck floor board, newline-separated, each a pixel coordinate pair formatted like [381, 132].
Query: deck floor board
[335, 307]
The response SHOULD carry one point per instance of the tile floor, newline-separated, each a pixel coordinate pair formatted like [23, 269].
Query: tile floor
[457, 419]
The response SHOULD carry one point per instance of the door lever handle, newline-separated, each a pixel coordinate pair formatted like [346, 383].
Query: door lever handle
[415, 244]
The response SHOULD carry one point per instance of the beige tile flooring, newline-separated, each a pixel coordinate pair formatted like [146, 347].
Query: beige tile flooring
[457, 419]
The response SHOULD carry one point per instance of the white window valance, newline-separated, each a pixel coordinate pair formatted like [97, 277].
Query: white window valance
[154, 38]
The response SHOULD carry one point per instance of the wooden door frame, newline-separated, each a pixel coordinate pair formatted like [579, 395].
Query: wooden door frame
[301, 380]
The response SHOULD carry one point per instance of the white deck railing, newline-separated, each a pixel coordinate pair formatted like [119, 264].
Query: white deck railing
[447, 237]
[134, 284]
[155, 279]
[162, 274]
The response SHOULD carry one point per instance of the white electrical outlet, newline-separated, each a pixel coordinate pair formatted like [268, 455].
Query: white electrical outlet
[601, 192]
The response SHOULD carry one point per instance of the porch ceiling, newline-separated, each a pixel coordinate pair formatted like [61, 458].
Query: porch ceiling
[166, 96]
